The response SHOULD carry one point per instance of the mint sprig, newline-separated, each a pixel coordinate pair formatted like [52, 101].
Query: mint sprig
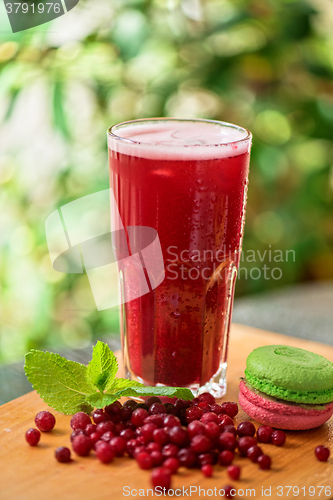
[70, 387]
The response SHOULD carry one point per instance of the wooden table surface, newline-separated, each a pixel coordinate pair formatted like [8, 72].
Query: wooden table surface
[32, 473]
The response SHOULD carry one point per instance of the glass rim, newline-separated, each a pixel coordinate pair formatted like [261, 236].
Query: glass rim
[112, 135]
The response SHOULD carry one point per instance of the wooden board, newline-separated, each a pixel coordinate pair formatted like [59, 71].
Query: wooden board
[32, 473]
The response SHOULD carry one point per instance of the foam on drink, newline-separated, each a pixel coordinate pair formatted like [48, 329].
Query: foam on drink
[180, 140]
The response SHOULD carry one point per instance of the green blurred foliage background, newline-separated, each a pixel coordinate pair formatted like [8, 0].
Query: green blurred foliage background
[266, 65]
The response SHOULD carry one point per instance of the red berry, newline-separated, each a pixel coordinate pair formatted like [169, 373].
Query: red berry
[201, 444]
[227, 441]
[231, 429]
[161, 477]
[264, 434]
[45, 421]
[171, 409]
[194, 428]
[244, 443]
[89, 429]
[170, 450]
[195, 401]
[99, 416]
[107, 436]
[105, 453]
[147, 431]
[32, 437]
[105, 427]
[152, 446]
[158, 420]
[130, 446]
[204, 406]
[171, 421]
[138, 449]
[118, 445]
[63, 454]
[234, 472]
[322, 453]
[278, 438]
[172, 464]
[264, 462]
[187, 457]
[230, 408]
[82, 445]
[215, 408]
[126, 413]
[138, 416]
[209, 417]
[226, 457]
[127, 434]
[131, 403]
[224, 420]
[206, 397]
[207, 458]
[182, 404]
[153, 399]
[178, 436]
[229, 491]
[157, 458]
[157, 409]
[254, 452]
[114, 409]
[212, 431]
[75, 433]
[207, 470]
[144, 460]
[94, 437]
[246, 429]
[160, 436]
[193, 413]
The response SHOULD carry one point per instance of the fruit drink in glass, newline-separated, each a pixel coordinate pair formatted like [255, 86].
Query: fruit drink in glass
[186, 179]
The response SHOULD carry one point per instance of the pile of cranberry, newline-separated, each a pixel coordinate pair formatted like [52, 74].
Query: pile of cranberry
[163, 437]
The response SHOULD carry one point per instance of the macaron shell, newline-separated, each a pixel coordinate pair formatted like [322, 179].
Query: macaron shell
[281, 415]
[291, 373]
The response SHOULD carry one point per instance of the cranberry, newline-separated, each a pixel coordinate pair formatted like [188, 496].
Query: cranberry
[160, 436]
[118, 428]
[138, 449]
[227, 441]
[138, 416]
[195, 401]
[207, 470]
[89, 429]
[278, 438]
[182, 404]
[224, 420]
[244, 443]
[105, 453]
[215, 408]
[107, 436]
[264, 462]
[161, 477]
[207, 458]
[141, 440]
[130, 446]
[127, 434]
[105, 427]
[234, 472]
[187, 457]
[209, 417]
[157, 458]
[195, 427]
[118, 444]
[229, 491]
[158, 420]
[82, 445]
[264, 434]
[170, 450]
[45, 421]
[254, 452]
[144, 460]
[147, 432]
[63, 454]
[94, 437]
[153, 399]
[172, 464]
[126, 413]
[171, 421]
[157, 409]
[113, 409]
[322, 453]
[32, 437]
[246, 429]
[205, 407]
[212, 431]
[201, 444]
[99, 416]
[226, 457]
[178, 436]
[231, 429]
[131, 403]
[193, 413]
[207, 398]
[75, 433]
[152, 446]
[171, 409]
[230, 408]
[143, 406]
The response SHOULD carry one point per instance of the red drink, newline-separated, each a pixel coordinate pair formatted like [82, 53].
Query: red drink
[188, 181]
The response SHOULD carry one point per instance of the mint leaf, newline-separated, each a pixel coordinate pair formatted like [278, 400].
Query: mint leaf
[120, 384]
[61, 383]
[171, 392]
[100, 399]
[103, 367]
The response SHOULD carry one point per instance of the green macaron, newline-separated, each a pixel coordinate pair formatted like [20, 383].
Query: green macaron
[291, 374]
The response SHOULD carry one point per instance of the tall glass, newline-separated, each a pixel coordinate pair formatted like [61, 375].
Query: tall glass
[187, 180]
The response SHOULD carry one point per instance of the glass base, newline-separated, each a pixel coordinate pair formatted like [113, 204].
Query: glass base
[217, 385]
